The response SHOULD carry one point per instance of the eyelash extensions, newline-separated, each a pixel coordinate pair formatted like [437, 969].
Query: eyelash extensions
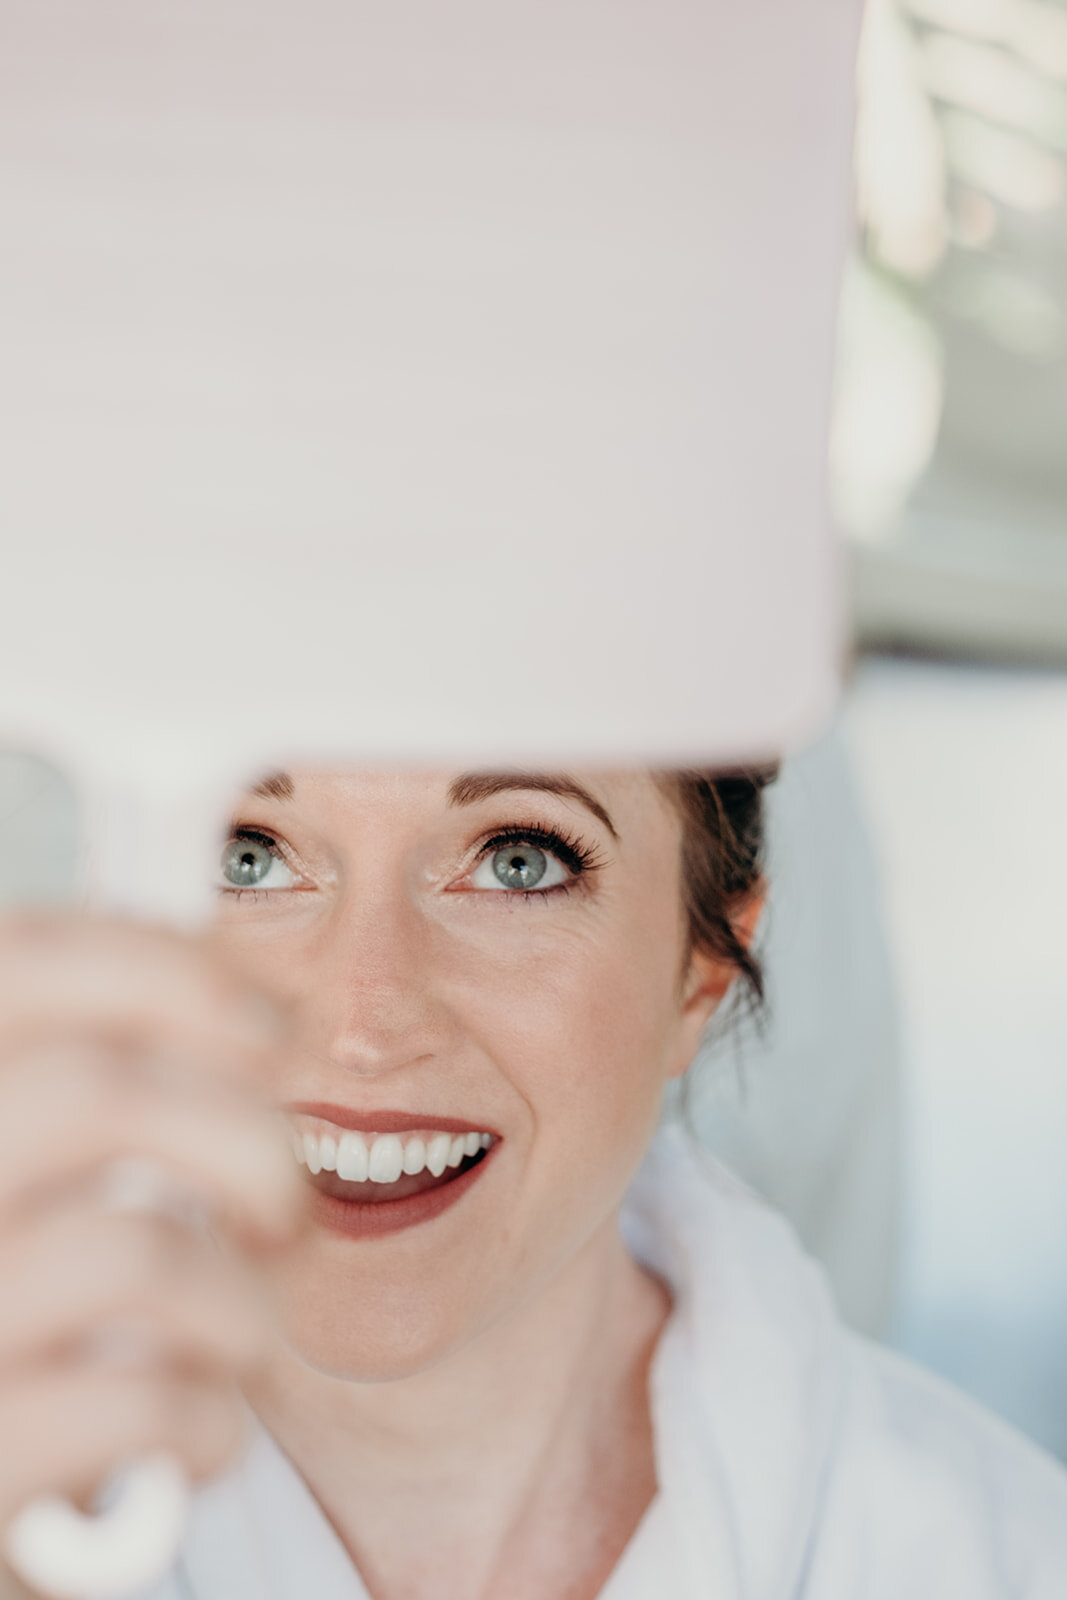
[580, 858]
[257, 835]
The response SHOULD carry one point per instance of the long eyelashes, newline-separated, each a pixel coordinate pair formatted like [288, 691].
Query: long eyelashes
[257, 835]
[579, 858]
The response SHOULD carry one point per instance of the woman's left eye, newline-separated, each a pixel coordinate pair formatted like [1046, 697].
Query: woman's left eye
[252, 862]
[519, 867]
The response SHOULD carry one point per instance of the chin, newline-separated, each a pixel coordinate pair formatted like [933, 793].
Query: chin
[368, 1332]
[392, 1354]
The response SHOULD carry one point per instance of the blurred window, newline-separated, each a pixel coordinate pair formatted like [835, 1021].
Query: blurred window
[949, 458]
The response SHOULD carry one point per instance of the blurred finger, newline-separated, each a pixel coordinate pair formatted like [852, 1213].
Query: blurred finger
[69, 1276]
[66, 1431]
[67, 1112]
[133, 984]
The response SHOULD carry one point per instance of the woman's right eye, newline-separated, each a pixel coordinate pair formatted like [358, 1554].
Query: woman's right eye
[252, 861]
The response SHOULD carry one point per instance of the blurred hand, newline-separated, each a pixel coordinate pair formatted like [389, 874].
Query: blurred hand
[121, 1041]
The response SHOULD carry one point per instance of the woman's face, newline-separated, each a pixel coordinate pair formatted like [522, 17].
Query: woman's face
[486, 955]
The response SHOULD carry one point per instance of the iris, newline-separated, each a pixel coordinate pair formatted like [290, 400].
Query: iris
[520, 866]
[246, 862]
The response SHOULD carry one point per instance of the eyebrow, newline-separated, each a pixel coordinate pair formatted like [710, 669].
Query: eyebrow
[472, 787]
[475, 786]
[278, 786]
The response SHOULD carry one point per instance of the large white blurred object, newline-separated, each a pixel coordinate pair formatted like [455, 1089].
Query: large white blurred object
[38, 833]
[429, 381]
[419, 379]
[69, 1556]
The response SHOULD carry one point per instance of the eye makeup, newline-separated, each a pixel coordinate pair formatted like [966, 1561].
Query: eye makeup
[580, 858]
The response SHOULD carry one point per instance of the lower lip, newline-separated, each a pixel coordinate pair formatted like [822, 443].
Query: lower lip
[357, 1221]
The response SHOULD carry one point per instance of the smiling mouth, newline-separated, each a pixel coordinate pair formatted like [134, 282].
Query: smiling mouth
[368, 1183]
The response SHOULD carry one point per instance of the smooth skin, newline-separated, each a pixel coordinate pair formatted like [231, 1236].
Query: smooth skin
[467, 1398]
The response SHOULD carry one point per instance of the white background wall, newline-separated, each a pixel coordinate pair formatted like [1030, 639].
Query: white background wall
[964, 775]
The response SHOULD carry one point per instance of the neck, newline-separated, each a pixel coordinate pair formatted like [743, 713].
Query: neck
[541, 1410]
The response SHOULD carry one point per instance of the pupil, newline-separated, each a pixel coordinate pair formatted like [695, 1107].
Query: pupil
[520, 869]
[245, 863]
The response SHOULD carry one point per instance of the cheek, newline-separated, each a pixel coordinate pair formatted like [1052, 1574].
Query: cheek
[579, 1015]
[276, 954]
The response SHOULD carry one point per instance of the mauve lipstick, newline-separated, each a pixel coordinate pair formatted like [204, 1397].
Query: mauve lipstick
[356, 1219]
[384, 1121]
[374, 1219]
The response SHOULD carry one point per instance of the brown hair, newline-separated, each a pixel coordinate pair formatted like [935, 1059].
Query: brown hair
[722, 816]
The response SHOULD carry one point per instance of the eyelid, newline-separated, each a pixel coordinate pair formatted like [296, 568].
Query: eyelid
[244, 830]
[263, 836]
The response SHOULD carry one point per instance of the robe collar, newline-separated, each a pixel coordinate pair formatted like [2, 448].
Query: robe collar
[748, 1380]
[746, 1390]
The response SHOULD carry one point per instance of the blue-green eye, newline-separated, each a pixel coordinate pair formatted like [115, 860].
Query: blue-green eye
[250, 862]
[519, 867]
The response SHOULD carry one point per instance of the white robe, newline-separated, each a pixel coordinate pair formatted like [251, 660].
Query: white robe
[795, 1460]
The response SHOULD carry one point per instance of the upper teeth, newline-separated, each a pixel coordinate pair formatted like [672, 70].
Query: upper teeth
[382, 1158]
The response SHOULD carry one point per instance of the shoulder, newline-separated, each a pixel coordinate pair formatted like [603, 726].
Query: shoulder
[830, 1467]
[926, 1492]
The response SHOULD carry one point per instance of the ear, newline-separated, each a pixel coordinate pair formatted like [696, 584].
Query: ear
[707, 979]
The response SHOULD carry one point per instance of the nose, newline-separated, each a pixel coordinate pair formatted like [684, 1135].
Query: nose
[371, 1000]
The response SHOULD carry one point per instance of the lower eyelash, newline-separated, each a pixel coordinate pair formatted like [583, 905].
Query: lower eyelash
[544, 894]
